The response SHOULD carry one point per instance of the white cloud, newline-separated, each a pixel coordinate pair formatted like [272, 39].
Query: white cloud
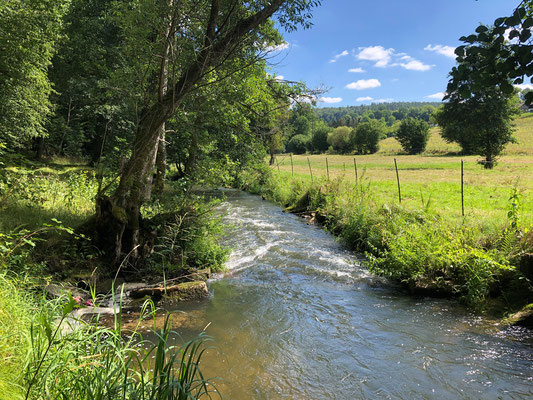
[356, 70]
[362, 84]
[437, 96]
[378, 54]
[367, 98]
[390, 58]
[447, 51]
[279, 47]
[524, 86]
[330, 100]
[383, 100]
[343, 54]
[279, 78]
[416, 65]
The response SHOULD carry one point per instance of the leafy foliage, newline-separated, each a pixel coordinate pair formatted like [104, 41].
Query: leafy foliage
[413, 135]
[365, 138]
[298, 144]
[481, 124]
[339, 139]
[499, 62]
[319, 141]
[29, 31]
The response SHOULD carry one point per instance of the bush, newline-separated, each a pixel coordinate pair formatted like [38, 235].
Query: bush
[365, 138]
[298, 144]
[319, 141]
[413, 135]
[339, 139]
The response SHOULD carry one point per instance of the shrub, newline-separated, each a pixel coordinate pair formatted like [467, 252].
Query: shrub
[413, 135]
[365, 138]
[339, 139]
[319, 141]
[298, 144]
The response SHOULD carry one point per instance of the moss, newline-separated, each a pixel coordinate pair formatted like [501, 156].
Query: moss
[524, 317]
[120, 214]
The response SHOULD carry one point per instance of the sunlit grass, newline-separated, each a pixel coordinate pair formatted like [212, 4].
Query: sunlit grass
[486, 192]
[438, 146]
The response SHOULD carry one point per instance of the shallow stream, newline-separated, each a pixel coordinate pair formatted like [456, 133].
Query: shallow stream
[298, 317]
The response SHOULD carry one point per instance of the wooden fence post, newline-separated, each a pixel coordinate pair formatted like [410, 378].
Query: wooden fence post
[355, 167]
[310, 171]
[327, 168]
[398, 180]
[462, 190]
[292, 167]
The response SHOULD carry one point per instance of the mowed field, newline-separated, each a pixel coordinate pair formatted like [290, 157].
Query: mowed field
[435, 176]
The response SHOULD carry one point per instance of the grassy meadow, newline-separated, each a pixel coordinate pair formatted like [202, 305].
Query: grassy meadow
[435, 176]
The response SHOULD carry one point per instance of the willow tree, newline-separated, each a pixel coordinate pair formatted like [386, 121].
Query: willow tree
[181, 42]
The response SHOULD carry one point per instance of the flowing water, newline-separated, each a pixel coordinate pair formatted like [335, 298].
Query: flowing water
[298, 317]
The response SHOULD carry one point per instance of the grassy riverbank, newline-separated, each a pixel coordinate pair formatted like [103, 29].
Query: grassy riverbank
[415, 242]
[41, 207]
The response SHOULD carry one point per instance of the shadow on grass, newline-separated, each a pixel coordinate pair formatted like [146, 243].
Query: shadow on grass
[19, 215]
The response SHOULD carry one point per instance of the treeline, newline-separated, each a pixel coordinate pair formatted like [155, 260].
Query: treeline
[307, 129]
[387, 113]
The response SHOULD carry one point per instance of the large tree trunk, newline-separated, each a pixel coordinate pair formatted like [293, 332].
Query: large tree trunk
[118, 218]
[160, 163]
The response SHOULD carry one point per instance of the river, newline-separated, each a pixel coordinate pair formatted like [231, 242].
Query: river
[298, 317]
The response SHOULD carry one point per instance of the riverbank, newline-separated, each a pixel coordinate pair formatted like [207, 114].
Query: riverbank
[47, 350]
[482, 264]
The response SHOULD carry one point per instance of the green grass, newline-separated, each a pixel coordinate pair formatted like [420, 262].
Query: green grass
[31, 197]
[436, 176]
[16, 310]
[48, 356]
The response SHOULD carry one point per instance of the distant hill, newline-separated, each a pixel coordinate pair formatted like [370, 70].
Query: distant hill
[389, 113]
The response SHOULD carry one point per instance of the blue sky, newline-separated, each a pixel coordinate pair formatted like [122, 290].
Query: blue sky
[371, 51]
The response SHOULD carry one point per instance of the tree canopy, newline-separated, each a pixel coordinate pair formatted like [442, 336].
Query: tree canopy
[503, 53]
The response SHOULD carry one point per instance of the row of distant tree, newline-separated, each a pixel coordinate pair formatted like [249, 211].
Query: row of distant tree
[387, 113]
[306, 131]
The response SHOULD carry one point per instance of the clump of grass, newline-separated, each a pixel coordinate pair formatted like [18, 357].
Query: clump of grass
[90, 362]
[16, 310]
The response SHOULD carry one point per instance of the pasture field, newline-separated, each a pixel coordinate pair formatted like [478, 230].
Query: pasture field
[434, 176]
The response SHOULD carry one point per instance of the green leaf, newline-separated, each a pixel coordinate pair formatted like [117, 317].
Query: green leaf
[528, 98]
[507, 88]
[481, 28]
[499, 21]
[471, 38]
[68, 307]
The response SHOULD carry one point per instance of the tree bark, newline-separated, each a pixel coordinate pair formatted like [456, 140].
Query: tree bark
[118, 218]
[161, 163]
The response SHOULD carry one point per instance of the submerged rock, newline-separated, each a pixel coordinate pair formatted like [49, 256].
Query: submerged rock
[55, 291]
[424, 286]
